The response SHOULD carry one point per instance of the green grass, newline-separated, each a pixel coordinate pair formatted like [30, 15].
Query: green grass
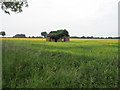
[74, 64]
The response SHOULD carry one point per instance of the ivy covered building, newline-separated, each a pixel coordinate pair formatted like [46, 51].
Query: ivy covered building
[58, 36]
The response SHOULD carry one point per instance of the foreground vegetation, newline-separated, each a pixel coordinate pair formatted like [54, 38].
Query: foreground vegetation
[35, 63]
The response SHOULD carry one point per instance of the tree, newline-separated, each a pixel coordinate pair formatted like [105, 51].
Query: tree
[19, 36]
[92, 37]
[2, 33]
[44, 34]
[83, 37]
[33, 37]
[109, 37]
[13, 6]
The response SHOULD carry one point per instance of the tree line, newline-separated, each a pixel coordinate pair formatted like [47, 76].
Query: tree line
[56, 34]
[91, 37]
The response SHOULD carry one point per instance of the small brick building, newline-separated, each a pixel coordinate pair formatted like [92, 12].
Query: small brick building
[64, 38]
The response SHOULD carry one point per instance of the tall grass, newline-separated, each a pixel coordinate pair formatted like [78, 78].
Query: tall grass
[74, 64]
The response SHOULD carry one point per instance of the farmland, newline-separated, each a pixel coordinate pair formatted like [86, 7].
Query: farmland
[80, 63]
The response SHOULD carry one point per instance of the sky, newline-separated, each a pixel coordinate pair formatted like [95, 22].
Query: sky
[97, 18]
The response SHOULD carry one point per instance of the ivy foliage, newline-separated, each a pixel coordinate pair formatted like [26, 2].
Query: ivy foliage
[58, 34]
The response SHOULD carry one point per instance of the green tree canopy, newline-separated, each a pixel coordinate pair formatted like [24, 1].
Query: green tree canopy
[19, 36]
[13, 6]
[2, 33]
[44, 34]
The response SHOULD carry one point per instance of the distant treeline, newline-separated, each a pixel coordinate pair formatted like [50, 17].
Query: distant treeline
[83, 37]
[23, 36]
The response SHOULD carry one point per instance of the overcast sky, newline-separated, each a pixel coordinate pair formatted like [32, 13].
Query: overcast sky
[79, 17]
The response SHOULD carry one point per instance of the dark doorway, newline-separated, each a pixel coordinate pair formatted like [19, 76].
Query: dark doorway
[55, 40]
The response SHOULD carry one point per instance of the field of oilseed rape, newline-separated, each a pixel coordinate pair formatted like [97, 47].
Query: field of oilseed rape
[80, 63]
